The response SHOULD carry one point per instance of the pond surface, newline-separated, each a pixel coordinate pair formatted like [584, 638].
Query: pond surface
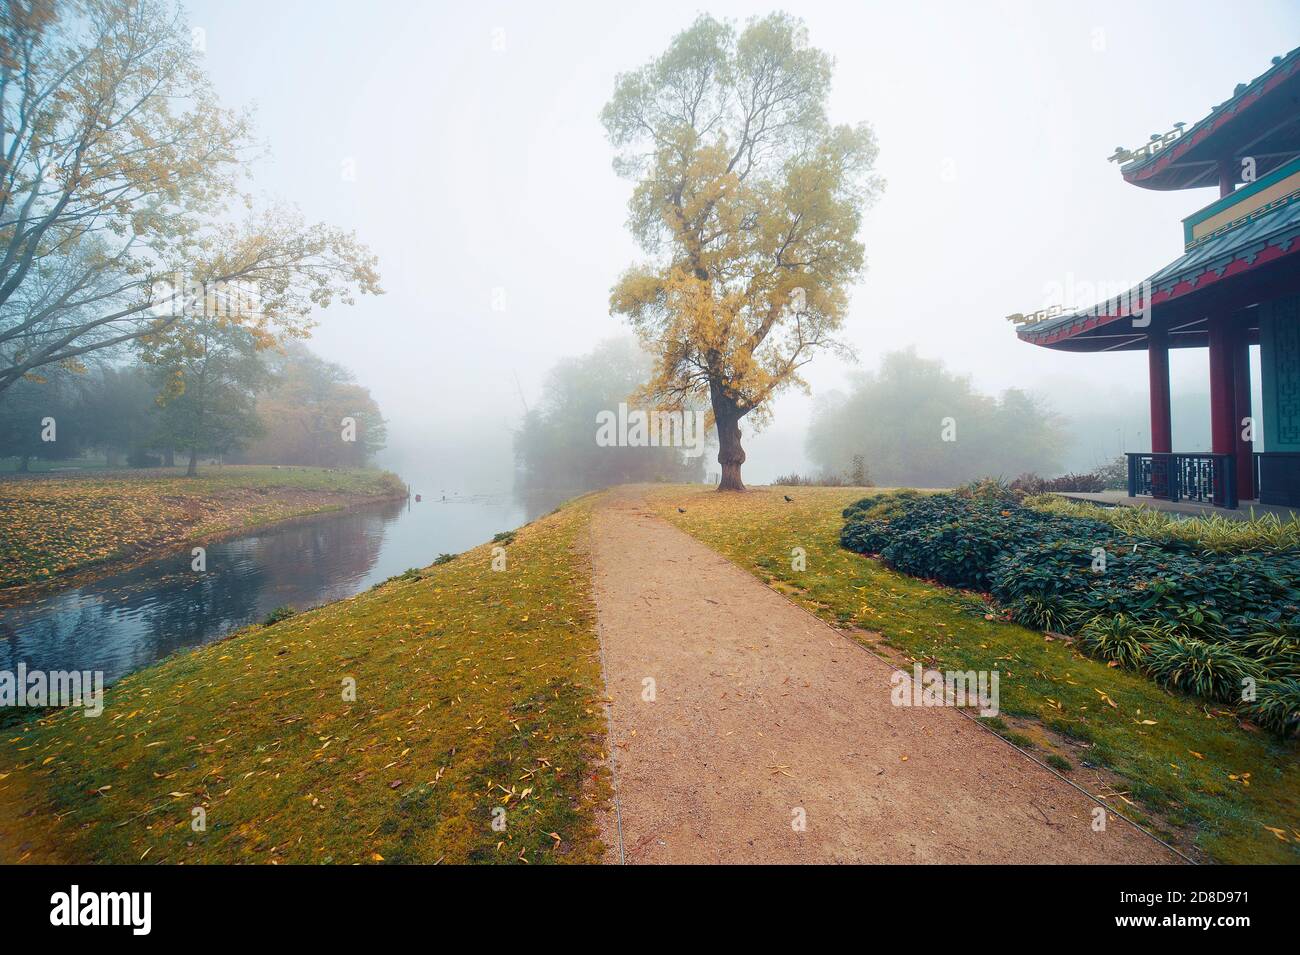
[126, 621]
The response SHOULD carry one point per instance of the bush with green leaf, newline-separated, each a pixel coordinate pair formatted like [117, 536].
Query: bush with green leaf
[1215, 671]
[1197, 618]
[1117, 637]
[1276, 706]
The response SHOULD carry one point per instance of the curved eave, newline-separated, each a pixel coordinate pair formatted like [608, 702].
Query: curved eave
[1192, 161]
[1238, 265]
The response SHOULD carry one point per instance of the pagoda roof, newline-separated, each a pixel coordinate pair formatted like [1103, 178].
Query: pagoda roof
[1260, 120]
[1260, 252]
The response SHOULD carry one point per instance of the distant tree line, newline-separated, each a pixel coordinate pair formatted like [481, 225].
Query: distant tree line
[913, 422]
[556, 448]
[211, 393]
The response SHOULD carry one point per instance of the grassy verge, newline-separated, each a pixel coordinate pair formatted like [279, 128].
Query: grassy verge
[475, 690]
[1232, 794]
[50, 527]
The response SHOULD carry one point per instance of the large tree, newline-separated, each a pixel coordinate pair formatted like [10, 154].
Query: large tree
[208, 371]
[118, 171]
[748, 202]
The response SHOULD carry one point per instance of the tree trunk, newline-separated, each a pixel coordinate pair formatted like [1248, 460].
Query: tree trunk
[169, 458]
[193, 469]
[730, 454]
[24, 463]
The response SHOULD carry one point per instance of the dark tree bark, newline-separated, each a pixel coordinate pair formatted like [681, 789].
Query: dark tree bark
[193, 469]
[727, 415]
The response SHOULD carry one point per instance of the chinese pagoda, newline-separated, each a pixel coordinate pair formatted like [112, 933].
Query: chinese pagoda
[1237, 284]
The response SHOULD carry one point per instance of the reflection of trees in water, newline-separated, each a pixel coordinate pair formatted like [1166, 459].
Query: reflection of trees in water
[62, 637]
[197, 609]
[123, 623]
[335, 552]
[127, 621]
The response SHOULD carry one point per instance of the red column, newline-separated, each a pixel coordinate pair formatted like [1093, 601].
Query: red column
[1223, 409]
[1162, 439]
[1228, 176]
[1241, 405]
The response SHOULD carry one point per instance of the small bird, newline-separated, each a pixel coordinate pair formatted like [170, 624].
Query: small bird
[681, 510]
[788, 498]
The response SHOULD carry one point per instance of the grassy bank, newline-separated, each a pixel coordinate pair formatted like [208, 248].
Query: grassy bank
[56, 526]
[475, 690]
[1232, 794]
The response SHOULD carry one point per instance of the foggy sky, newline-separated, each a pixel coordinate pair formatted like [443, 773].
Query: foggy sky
[462, 142]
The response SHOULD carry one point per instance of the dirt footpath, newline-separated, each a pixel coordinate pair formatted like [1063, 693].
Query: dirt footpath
[772, 738]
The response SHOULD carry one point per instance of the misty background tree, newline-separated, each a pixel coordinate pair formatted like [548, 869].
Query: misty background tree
[53, 397]
[896, 418]
[118, 173]
[130, 413]
[119, 412]
[302, 408]
[555, 446]
[748, 202]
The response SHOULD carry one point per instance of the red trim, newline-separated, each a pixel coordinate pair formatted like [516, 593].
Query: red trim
[1226, 114]
[1186, 286]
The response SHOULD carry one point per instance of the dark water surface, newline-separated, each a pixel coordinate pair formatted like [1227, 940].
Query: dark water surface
[126, 621]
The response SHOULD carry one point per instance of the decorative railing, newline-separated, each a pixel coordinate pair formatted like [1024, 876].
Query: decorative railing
[1207, 478]
[1277, 478]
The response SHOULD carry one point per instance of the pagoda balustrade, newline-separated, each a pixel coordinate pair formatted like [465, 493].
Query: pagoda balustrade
[1174, 476]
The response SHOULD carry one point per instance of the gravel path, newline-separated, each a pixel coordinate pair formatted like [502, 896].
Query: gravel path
[763, 717]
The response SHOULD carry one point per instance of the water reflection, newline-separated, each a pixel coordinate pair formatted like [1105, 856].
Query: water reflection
[127, 621]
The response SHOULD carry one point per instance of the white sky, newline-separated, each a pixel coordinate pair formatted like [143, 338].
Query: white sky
[479, 169]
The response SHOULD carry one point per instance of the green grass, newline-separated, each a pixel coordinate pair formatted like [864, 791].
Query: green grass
[1234, 793]
[41, 466]
[1058, 762]
[474, 690]
[58, 525]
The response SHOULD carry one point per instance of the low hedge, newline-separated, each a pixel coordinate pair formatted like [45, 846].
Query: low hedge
[1197, 620]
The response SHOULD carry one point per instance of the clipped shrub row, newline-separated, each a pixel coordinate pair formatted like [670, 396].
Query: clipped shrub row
[1033, 484]
[1195, 620]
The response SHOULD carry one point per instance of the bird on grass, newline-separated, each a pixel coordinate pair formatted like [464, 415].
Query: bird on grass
[788, 498]
[681, 510]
